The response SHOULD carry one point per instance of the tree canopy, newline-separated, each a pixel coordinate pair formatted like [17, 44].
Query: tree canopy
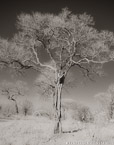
[64, 40]
[68, 39]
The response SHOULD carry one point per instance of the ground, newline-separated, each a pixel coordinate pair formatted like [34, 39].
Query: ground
[39, 131]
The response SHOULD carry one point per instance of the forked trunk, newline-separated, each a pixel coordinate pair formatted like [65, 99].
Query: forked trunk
[16, 106]
[58, 125]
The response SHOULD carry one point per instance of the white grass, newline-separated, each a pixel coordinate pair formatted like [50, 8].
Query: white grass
[39, 131]
[25, 131]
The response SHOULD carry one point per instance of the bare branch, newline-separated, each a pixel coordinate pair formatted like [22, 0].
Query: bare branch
[38, 61]
[85, 69]
[87, 61]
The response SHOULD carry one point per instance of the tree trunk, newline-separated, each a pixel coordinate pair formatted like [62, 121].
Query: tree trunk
[111, 113]
[16, 107]
[58, 125]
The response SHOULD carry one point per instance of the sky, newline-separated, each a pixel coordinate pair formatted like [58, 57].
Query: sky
[103, 13]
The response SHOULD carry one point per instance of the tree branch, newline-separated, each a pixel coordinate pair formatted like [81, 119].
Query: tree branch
[38, 61]
[87, 70]
[87, 61]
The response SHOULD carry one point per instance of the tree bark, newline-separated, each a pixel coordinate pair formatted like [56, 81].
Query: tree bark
[111, 113]
[16, 106]
[58, 116]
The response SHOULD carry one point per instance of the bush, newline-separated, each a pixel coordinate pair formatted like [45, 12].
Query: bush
[8, 110]
[76, 111]
[27, 107]
[44, 113]
[85, 114]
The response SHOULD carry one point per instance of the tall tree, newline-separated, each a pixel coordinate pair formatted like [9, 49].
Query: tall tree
[65, 40]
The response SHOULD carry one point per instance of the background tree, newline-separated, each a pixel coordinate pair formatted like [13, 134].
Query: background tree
[111, 108]
[13, 90]
[106, 100]
[66, 40]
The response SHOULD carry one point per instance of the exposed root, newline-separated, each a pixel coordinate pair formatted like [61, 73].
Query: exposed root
[71, 131]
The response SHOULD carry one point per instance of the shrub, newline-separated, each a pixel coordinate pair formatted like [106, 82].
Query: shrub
[76, 112]
[8, 110]
[44, 113]
[85, 114]
[27, 107]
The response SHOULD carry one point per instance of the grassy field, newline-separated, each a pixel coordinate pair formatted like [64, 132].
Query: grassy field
[39, 131]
